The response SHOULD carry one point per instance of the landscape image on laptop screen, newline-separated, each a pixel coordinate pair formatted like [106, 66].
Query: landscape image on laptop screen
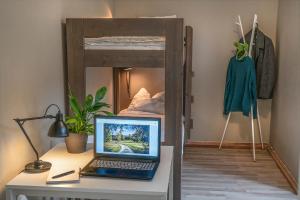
[126, 138]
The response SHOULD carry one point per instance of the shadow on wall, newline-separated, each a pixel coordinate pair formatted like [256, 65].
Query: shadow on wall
[34, 80]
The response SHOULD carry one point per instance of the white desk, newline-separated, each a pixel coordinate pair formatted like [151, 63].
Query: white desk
[34, 185]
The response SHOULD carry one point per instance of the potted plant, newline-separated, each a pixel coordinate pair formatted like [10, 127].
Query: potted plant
[80, 122]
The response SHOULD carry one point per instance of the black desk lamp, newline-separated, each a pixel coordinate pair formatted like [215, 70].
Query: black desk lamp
[57, 129]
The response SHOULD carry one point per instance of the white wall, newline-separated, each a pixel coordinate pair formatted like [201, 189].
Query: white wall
[285, 124]
[31, 71]
[214, 34]
[97, 77]
[152, 79]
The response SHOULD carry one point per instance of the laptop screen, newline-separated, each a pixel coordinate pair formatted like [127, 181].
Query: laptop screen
[127, 136]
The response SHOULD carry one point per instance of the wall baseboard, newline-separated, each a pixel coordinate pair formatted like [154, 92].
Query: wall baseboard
[279, 162]
[225, 145]
[284, 169]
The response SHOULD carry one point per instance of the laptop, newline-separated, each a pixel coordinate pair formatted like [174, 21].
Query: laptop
[125, 147]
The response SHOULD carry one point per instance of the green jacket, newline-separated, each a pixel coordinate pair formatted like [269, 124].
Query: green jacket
[240, 89]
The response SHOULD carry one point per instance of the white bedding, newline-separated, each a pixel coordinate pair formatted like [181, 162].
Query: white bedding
[125, 43]
[129, 113]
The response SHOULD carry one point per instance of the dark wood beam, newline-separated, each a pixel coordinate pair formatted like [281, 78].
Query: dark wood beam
[124, 58]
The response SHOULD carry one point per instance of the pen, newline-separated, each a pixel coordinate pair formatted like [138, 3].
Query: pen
[63, 174]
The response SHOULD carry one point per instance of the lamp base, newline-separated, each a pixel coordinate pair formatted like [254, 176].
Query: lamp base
[37, 166]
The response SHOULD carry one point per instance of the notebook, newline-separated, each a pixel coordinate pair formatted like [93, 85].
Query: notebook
[71, 178]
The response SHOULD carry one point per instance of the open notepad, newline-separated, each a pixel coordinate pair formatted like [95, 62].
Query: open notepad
[71, 178]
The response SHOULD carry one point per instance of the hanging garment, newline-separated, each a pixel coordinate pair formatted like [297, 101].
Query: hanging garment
[240, 89]
[263, 54]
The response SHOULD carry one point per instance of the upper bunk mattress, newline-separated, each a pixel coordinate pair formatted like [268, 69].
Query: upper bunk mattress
[125, 43]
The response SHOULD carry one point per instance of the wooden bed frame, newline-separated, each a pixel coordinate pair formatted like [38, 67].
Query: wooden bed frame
[177, 94]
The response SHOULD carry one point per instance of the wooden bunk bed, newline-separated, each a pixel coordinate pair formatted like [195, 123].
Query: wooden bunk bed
[83, 39]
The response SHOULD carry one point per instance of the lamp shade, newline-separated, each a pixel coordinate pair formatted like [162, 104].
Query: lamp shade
[58, 128]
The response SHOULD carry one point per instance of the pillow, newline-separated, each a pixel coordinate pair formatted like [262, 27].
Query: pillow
[149, 105]
[141, 95]
[160, 96]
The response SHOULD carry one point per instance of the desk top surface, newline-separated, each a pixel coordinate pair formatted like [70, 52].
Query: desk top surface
[59, 156]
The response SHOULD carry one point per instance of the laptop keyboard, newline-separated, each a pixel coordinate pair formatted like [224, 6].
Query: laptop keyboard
[120, 164]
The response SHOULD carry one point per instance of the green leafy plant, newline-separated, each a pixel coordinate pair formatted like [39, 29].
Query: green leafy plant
[80, 121]
[241, 50]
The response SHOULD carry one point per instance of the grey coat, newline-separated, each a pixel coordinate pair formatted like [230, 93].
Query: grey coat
[264, 58]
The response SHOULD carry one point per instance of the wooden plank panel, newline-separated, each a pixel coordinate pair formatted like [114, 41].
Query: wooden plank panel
[174, 96]
[116, 88]
[76, 70]
[122, 58]
[188, 81]
[124, 27]
[231, 174]
[225, 145]
[65, 64]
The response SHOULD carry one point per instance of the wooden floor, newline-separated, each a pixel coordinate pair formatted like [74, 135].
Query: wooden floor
[230, 174]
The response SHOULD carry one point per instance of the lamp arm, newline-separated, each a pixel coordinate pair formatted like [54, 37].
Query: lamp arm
[20, 122]
[50, 107]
